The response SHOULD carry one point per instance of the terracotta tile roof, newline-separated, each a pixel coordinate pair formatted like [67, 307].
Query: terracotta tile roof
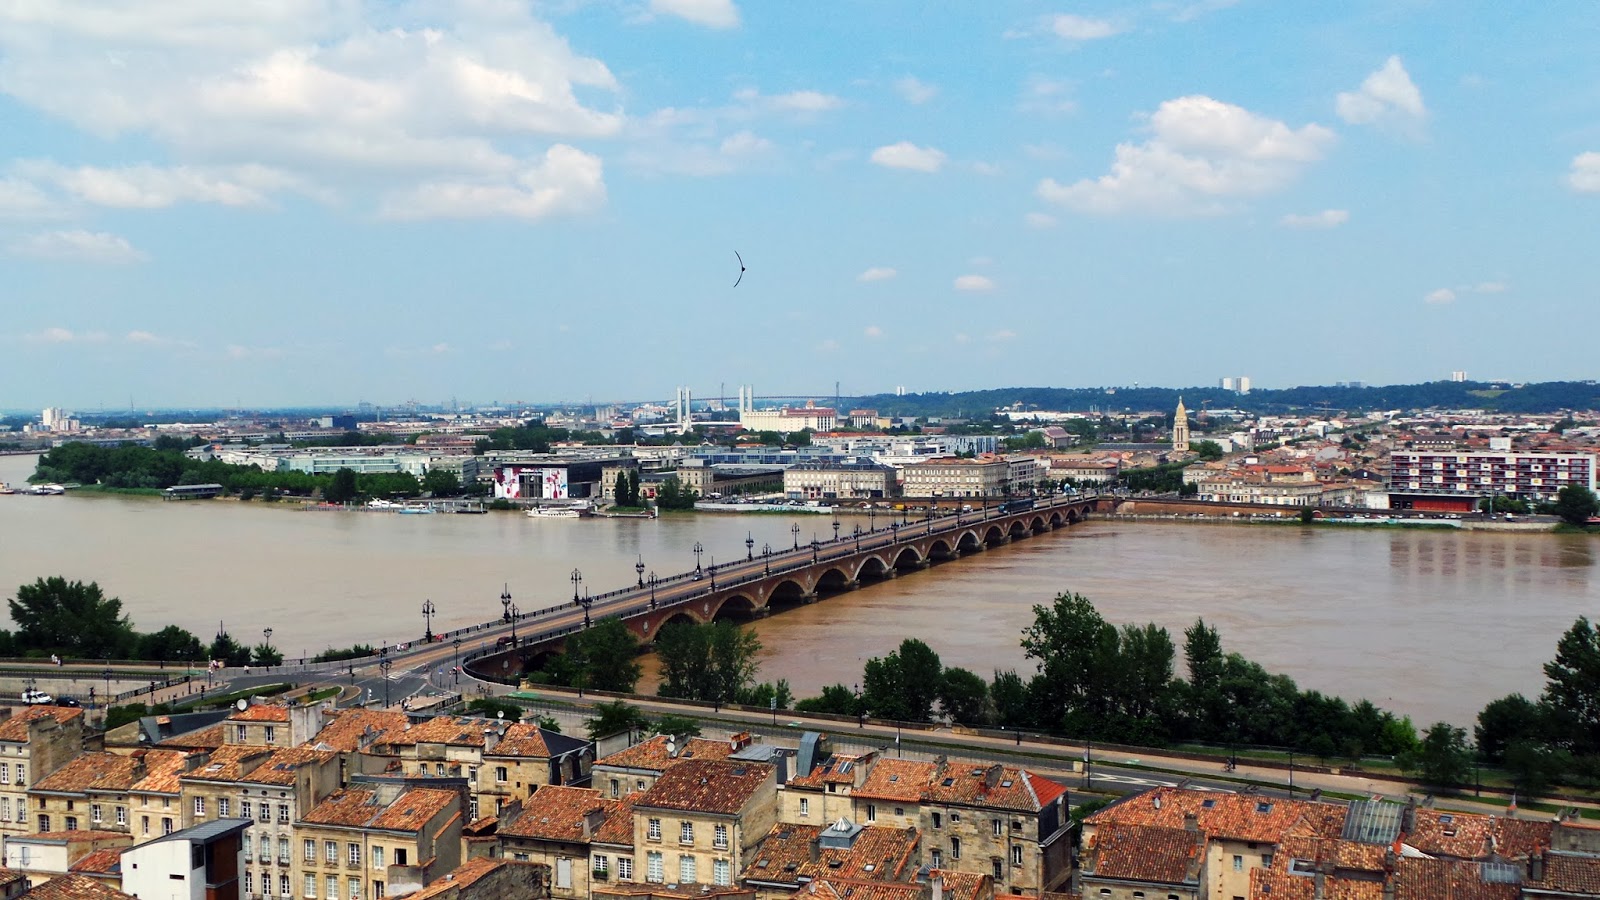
[459, 731]
[15, 728]
[557, 813]
[76, 887]
[356, 808]
[1418, 878]
[464, 876]
[962, 885]
[204, 739]
[161, 771]
[522, 739]
[92, 771]
[345, 730]
[652, 754]
[849, 889]
[993, 786]
[618, 827]
[897, 779]
[230, 762]
[1474, 836]
[840, 768]
[80, 836]
[261, 712]
[1571, 873]
[708, 786]
[282, 766]
[878, 854]
[1237, 816]
[1150, 853]
[100, 862]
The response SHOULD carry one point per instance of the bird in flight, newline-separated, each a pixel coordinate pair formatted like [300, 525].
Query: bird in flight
[741, 268]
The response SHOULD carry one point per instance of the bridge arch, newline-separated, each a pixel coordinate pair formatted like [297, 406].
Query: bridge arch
[994, 535]
[873, 568]
[941, 549]
[735, 607]
[968, 542]
[1018, 529]
[908, 558]
[1038, 525]
[786, 594]
[832, 581]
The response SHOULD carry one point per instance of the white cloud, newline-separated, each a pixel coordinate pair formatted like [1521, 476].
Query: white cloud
[1440, 297]
[1584, 175]
[1386, 96]
[961, 337]
[1039, 220]
[141, 337]
[1201, 156]
[873, 331]
[973, 283]
[1328, 218]
[241, 352]
[735, 152]
[441, 349]
[906, 155]
[1201, 8]
[77, 246]
[804, 101]
[1490, 287]
[1047, 96]
[1081, 28]
[150, 187]
[567, 181]
[710, 13]
[877, 273]
[58, 335]
[350, 96]
[1004, 334]
[915, 91]
[21, 199]
[986, 168]
[828, 346]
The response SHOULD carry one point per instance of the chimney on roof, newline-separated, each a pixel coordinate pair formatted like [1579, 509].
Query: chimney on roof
[1390, 858]
[992, 776]
[592, 820]
[491, 738]
[1536, 866]
[1191, 822]
[814, 849]
[1319, 885]
[1408, 816]
[938, 887]
[1388, 886]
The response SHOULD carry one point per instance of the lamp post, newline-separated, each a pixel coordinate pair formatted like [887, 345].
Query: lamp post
[576, 578]
[795, 530]
[639, 567]
[836, 528]
[505, 602]
[698, 549]
[652, 590]
[107, 676]
[749, 546]
[766, 558]
[384, 664]
[587, 602]
[712, 571]
[457, 668]
[814, 550]
[872, 518]
[515, 615]
[428, 609]
[858, 537]
[266, 634]
[861, 711]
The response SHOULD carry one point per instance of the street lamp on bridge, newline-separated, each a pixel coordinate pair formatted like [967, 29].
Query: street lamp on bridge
[587, 601]
[712, 570]
[652, 589]
[639, 567]
[766, 557]
[698, 549]
[428, 609]
[505, 602]
[795, 530]
[872, 516]
[858, 537]
[814, 546]
[749, 546]
[836, 528]
[457, 668]
[515, 615]
[576, 578]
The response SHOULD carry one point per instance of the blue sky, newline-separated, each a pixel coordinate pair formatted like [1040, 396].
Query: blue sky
[271, 202]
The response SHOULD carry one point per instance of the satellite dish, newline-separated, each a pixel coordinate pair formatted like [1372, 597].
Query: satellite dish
[241, 704]
[500, 714]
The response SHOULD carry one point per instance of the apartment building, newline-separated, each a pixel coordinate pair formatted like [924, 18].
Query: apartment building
[838, 481]
[575, 831]
[92, 791]
[379, 838]
[1527, 476]
[34, 742]
[635, 769]
[155, 802]
[701, 819]
[793, 856]
[952, 476]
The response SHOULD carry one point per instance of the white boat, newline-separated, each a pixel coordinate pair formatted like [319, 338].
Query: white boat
[389, 505]
[6, 488]
[557, 512]
[415, 510]
[47, 490]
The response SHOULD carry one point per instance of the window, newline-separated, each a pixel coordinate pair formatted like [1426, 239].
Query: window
[199, 806]
[240, 734]
[377, 889]
[246, 810]
[1138, 895]
[330, 853]
[283, 886]
[1263, 807]
[5, 771]
[248, 846]
[311, 887]
[720, 837]
[224, 807]
[500, 774]
[283, 813]
[144, 824]
[473, 811]
[872, 813]
[686, 832]
[332, 884]
[625, 868]
[377, 857]
[354, 854]
[639, 785]
[1238, 863]
[936, 859]
[1016, 855]
[166, 825]
[1105, 892]
[22, 773]
[955, 848]
[936, 822]
[720, 873]
[399, 856]
[652, 867]
[267, 733]
[355, 889]
[309, 851]
[614, 789]
[998, 873]
[653, 830]
[249, 882]
[266, 848]
[265, 812]
[999, 828]
[94, 813]
[601, 863]
[283, 849]
[122, 816]
[72, 823]
[686, 874]
[805, 807]
[564, 873]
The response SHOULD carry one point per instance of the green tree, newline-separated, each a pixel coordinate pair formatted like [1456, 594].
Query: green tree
[680, 727]
[605, 656]
[1509, 720]
[768, 695]
[72, 619]
[1571, 697]
[614, 718]
[904, 684]
[1576, 504]
[673, 495]
[170, 643]
[342, 488]
[1208, 451]
[265, 654]
[1443, 758]
[1075, 652]
[229, 651]
[494, 707]
[441, 483]
[712, 662]
[837, 699]
[964, 696]
[1008, 694]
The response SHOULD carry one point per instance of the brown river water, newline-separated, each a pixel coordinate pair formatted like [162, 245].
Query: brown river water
[1432, 624]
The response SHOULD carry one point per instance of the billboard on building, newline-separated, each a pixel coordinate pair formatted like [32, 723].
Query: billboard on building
[555, 484]
[508, 482]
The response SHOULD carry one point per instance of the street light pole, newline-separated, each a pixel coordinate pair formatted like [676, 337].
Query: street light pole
[652, 589]
[458, 660]
[384, 664]
[836, 528]
[576, 579]
[698, 549]
[515, 615]
[639, 567]
[749, 546]
[505, 602]
[766, 558]
[795, 530]
[858, 537]
[428, 610]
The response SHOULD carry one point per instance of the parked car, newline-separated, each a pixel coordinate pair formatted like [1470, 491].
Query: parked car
[37, 698]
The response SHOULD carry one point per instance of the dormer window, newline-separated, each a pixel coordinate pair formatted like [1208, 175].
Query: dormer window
[1263, 807]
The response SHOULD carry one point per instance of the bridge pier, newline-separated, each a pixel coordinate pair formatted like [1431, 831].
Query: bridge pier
[809, 598]
[760, 612]
[1003, 539]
